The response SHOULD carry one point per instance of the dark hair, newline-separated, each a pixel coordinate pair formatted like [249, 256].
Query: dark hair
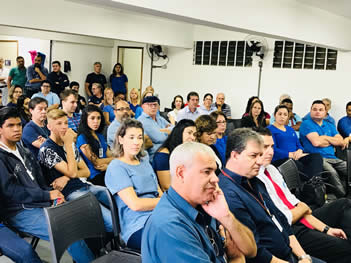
[190, 94]
[249, 102]
[348, 104]
[208, 94]
[73, 83]
[68, 92]
[263, 131]
[261, 118]
[19, 57]
[20, 108]
[280, 107]
[56, 62]
[114, 72]
[45, 81]
[217, 113]
[35, 101]
[174, 99]
[86, 131]
[318, 102]
[97, 63]
[7, 113]
[238, 138]
[205, 123]
[176, 136]
[287, 100]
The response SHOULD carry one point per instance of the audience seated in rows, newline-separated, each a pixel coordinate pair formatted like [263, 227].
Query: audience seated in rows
[344, 124]
[287, 146]
[191, 111]
[221, 106]
[132, 181]
[119, 80]
[207, 107]
[187, 218]
[92, 144]
[81, 100]
[221, 141]
[249, 201]
[69, 101]
[328, 117]
[320, 136]
[256, 116]
[177, 105]
[45, 93]
[108, 106]
[184, 131]
[155, 126]
[326, 242]
[14, 93]
[23, 189]
[35, 132]
[36, 74]
[95, 77]
[58, 80]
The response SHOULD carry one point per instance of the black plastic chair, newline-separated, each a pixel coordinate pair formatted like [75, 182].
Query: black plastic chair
[290, 174]
[232, 124]
[73, 221]
[118, 256]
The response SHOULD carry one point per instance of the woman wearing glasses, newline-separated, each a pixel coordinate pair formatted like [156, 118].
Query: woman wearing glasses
[221, 142]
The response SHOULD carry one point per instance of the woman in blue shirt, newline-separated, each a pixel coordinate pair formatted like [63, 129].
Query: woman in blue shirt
[109, 115]
[92, 144]
[134, 102]
[132, 181]
[221, 142]
[287, 145]
[184, 131]
[119, 80]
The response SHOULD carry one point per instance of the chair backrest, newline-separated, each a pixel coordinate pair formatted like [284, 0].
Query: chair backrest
[73, 221]
[290, 174]
[232, 124]
[348, 162]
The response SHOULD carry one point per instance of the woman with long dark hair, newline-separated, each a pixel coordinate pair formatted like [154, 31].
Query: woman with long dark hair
[256, 117]
[184, 131]
[23, 110]
[92, 144]
[132, 181]
[119, 80]
[248, 106]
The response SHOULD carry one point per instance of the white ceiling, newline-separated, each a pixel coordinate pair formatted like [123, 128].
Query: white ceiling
[337, 7]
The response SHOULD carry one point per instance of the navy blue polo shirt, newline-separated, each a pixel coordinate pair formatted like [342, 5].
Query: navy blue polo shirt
[270, 240]
[176, 232]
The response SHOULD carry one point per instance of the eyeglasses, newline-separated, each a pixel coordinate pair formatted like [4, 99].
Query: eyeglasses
[221, 122]
[211, 236]
[123, 109]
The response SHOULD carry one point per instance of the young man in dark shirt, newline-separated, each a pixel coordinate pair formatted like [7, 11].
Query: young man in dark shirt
[59, 81]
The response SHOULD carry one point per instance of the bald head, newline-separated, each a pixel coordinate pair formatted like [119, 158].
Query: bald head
[220, 98]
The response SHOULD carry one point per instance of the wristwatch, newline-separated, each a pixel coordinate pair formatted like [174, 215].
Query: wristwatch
[306, 256]
[325, 230]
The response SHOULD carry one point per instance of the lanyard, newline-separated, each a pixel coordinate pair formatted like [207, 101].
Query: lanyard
[262, 202]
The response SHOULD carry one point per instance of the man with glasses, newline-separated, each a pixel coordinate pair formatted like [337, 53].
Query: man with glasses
[122, 112]
[185, 225]
[52, 98]
[155, 126]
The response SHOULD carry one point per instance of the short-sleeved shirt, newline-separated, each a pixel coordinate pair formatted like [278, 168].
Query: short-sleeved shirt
[111, 132]
[73, 122]
[344, 126]
[152, 129]
[328, 118]
[32, 74]
[51, 154]
[132, 107]
[31, 132]
[96, 78]
[185, 113]
[95, 100]
[178, 227]
[81, 140]
[51, 97]
[309, 126]
[59, 81]
[118, 84]
[19, 76]
[109, 110]
[142, 178]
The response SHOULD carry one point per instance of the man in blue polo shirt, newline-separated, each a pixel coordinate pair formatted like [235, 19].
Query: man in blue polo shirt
[319, 136]
[249, 201]
[184, 225]
[344, 124]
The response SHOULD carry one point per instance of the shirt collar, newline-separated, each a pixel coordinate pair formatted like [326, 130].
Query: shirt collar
[236, 177]
[188, 110]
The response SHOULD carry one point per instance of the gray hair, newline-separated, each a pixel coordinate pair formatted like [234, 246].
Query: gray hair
[184, 154]
[237, 140]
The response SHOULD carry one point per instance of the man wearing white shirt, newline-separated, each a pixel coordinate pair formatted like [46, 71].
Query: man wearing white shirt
[191, 111]
[4, 73]
[317, 238]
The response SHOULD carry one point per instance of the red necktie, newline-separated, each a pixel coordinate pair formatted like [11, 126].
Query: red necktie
[282, 197]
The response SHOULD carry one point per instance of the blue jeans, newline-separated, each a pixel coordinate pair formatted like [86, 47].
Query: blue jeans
[100, 194]
[16, 248]
[33, 221]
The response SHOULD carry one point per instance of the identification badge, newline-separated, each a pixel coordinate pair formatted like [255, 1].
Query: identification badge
[277, 223]
[101, 153]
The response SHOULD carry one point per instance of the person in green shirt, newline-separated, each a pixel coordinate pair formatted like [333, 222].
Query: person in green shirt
[17, 75]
